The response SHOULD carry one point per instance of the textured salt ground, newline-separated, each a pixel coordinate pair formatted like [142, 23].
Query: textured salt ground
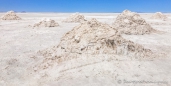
[114, 71]
[15, 35]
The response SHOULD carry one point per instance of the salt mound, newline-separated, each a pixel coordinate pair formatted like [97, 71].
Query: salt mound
[46, 23]
[10, 16]
[87, 44]
[75, 18]
[131, 23]
[95, 39]
[159, 15]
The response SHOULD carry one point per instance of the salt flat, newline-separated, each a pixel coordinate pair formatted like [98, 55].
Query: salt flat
[19, 42]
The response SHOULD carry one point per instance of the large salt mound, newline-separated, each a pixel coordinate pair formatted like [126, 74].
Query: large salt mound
[46, 23]
[95, 39]
[10, 16]
[75, 18]
[159, 15]
[131, 23]
[89, 43]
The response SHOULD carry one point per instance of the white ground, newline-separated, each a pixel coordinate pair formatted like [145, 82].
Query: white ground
[19, 41]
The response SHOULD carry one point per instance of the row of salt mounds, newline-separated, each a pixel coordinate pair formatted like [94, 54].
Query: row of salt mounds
[46, 23]
[159, 15]
[75, 18]
[131, 23]
[94, 38]
[10, 16]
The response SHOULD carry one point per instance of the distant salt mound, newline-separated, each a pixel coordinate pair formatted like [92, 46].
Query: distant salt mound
[46, 23]
[94, 38]
[159, 15]
[75, 18]
[10, 16]
[131, 23]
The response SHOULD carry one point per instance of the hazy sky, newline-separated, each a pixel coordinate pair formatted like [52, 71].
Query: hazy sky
[85, 5]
